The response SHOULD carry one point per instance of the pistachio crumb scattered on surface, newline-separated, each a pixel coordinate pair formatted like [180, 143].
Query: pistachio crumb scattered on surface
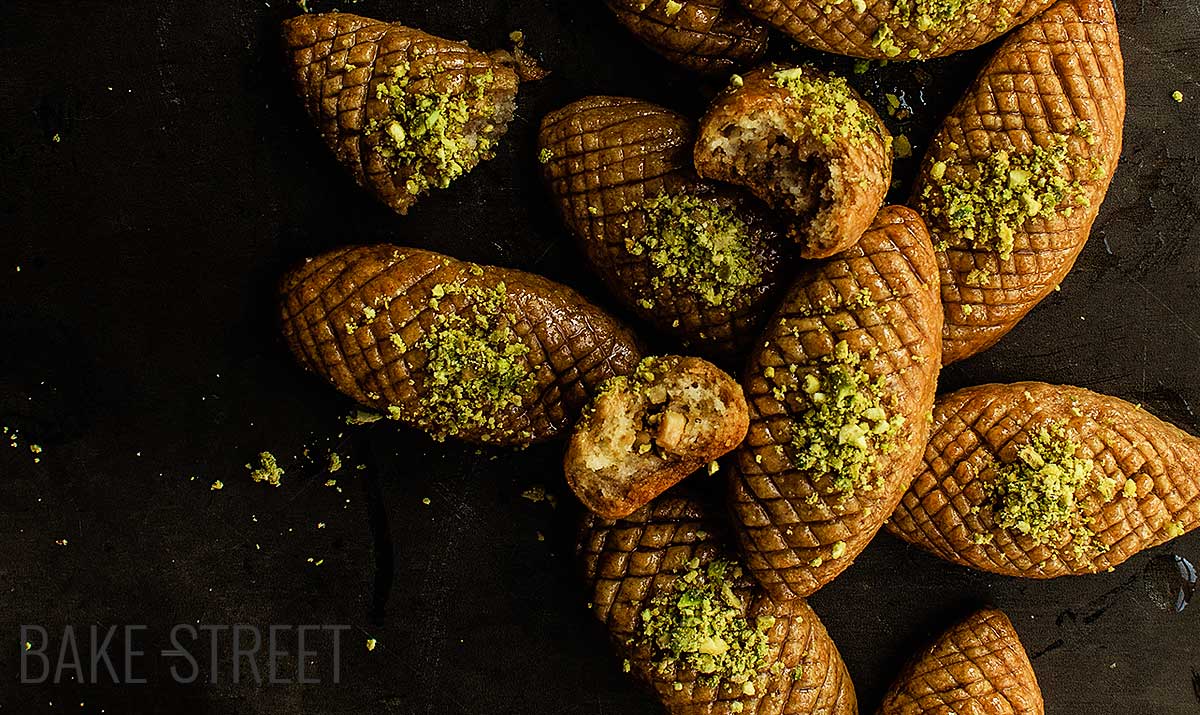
[267, 470]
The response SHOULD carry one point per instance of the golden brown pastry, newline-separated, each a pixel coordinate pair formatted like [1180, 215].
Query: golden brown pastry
[1039, 481]
[645, 432]
[480, 353]
[839, 392]
[978, 667]
[1014, 179]
[692, 626]
[405, 112]
[709, 36]
[894, 29]
[805, 143]
[699, 262]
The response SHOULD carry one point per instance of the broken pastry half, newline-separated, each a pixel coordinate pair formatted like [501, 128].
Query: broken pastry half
[708, 36]
[479, 353]
[1014, 179]
[1039, 481]
[700, 262]
[894, 29]
[839, 391]
[405, 112]
[690, 624]
[805, 143]
[645, 432]
[978, 666]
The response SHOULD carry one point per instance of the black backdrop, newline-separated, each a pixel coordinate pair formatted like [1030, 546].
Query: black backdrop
[138, 348]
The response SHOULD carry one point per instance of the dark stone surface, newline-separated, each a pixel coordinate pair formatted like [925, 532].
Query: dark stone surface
[140, 350]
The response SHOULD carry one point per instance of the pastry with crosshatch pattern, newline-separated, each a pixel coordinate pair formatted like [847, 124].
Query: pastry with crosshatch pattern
[1038, 480]
[479, 353]
[894, 29]
[709, 36]
[405, 112]
[700, 262]
[839, 390]
[979, 667]
[1014, 179]
[692, 625]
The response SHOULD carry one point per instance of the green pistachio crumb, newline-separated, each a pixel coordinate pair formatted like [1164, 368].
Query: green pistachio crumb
[267, 470]
[1177, 96]
[978, 277]
[987, 202]
[846, 424]
[429, 136]
[839, 550]
[699, 245]
[699, 622]
[1039, 494]
[834, 111]
[545, 156]
[335, 462]
[475, 369]
[1174, 529]
[902, 147]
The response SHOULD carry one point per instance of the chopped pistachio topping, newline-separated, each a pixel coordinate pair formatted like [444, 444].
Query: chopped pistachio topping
[989, 201]
[545, 155]
[1177, 96]
[698, 245]
[432, 136]
[475, 367]
[834, 110]
[1038, 495]
[847, 425]
[267, 470]
[927, 16]
[699, 622]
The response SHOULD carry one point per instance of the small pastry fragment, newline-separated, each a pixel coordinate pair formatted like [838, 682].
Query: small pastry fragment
[707, 36]
[645, 432]
[405, 112]
[690, 623]
[895, 29]
[1040, 481]
[806, 144]
[699, 262]
[978, 666]
[839, 392]
[1014, 179]
[480, 353]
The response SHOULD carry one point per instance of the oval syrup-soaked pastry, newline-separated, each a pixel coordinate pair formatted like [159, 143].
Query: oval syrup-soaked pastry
[707, 36]
[839, 391]
[778, 658]
[806, 144]
[1036, 480]
[700, 263]
[894, 29]
[645, 432]
[405, 112]
[978, 666]
[485, 354]
[1015, 177]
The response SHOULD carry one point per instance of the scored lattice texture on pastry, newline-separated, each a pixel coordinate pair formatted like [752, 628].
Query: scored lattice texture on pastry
[1061, 68]
[979, 667]
[604, 157]
[340, 60]
[356, 315]
[789, 520]
[627, 562]
[709, 36]
[947, 510]
[840, 27]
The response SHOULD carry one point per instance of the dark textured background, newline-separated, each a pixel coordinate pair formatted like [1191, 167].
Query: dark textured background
[138, 346]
